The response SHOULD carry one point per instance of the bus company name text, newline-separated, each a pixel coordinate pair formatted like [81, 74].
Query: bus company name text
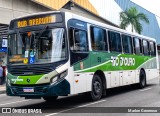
[122, 61]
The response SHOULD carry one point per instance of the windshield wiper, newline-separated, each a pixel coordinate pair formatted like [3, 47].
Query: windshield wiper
[40, 34]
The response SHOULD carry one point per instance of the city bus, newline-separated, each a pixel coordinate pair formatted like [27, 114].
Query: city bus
[56, 53]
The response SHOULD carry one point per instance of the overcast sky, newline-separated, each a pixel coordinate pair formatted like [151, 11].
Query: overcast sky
[151, 5]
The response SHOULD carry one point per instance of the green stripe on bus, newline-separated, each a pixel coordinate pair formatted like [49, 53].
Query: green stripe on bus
[24, 79]
[91, 64]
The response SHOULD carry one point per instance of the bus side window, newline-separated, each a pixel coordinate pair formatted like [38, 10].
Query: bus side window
[141, 46]
[149, 49]
[78, 45]
[152, 49]
[137, 46]
[98, 39]
[145, 47]
[115, 41]
[78, 40]
[155, 49]
[127, 44]
[71, 40]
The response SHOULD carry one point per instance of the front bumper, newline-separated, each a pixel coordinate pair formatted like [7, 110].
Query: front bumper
[57, 89]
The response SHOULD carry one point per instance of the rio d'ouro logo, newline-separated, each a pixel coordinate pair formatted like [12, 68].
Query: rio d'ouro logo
[28, 80]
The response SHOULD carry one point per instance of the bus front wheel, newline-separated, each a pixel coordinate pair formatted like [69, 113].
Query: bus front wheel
[96, 92]
[50, 99]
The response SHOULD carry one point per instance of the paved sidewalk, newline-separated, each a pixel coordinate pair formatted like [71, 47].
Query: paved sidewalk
[2, 89]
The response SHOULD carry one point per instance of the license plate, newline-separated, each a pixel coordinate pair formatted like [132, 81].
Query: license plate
[28, 89]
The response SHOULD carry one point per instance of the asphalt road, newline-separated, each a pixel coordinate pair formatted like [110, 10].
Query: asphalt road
[121, 99]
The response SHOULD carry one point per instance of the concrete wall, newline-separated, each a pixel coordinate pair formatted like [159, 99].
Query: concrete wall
[10, 9]
[77, 9]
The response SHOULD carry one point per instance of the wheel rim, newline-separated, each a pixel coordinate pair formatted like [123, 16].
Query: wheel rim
[96, 87]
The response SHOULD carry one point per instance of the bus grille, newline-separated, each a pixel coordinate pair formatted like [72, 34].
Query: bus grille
[30, 69]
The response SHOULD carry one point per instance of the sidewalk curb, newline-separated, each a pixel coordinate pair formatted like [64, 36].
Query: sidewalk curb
[3, 91]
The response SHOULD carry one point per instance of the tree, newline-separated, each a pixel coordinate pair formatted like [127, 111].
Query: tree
[133, 17]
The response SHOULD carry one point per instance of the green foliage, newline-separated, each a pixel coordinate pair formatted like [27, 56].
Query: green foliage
[133, 17]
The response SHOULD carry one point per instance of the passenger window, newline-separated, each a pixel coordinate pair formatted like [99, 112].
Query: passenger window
[127, 44]
[145, 47]
[152, 49]
[98, 39]
[114, 41]
[78, 45]
[137, 46]
[78, 40]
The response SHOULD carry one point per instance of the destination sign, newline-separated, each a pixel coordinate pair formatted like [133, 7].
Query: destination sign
[36, 20]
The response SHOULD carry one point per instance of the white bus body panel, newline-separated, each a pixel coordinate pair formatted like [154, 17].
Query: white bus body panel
[83, 82]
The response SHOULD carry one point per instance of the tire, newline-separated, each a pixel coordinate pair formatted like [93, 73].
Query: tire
[96, 92]
[142, 79]
[50, 99]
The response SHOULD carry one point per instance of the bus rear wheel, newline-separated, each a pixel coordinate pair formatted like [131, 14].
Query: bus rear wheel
[96, 92]
[142, 79]
[50, 99]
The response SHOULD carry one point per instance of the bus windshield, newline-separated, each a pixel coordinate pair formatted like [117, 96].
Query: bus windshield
[32, 47]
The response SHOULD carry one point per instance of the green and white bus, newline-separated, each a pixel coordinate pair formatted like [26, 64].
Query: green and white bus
[55, 54]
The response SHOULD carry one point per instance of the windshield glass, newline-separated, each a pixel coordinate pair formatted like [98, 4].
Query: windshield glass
[43, 46]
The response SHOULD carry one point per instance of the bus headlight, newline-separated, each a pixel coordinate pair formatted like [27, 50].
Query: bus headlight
[54, 79]
[59, 77]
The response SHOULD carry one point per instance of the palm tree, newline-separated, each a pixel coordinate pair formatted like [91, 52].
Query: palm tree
[133, 17]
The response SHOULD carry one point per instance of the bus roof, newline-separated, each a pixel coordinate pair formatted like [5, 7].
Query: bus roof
[96, 23]
[90, 21]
